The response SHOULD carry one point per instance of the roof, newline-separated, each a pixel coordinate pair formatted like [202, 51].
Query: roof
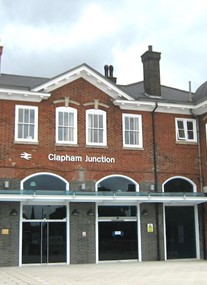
[130, 97]
[201, 93]
[135, 90]
[168, 94]
[20, 81]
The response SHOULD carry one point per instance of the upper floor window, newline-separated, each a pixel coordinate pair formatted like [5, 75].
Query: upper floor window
[26, 123]
[96, 127]
[186, 130]
[132, 130]
[66, 125]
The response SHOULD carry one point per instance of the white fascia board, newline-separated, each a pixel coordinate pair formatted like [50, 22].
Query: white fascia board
[105, 85]
[200, 108]
[135, 105]
[175, 108]
[22, 95]
[89, 75]
[149, 106]
[59, 81]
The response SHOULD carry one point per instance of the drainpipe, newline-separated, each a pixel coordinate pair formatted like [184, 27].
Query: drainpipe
[155, 178]
[200, 178]
[154, 146]
[199, 152]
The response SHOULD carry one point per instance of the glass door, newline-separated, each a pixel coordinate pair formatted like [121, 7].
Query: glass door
[44, 242]
[118, 240]
[44, 234]
[180, 232]
[56, 242]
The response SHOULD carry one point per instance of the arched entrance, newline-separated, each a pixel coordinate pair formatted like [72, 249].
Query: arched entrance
[180, 222]
[117, 224]
[44, 226]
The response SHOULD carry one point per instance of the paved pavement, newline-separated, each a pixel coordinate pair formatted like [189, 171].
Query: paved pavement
[123, 273]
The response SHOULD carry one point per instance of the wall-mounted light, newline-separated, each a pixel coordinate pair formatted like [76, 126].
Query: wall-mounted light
[145, 213]
[6, 184]
[33, 184]
[152, 187]
[90, 212]
[75, 212]
[13, 213]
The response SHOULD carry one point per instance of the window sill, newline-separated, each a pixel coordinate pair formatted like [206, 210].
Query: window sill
[66, 145]
[26, 142]
[132, 148]
[186, 143]
[96, 146]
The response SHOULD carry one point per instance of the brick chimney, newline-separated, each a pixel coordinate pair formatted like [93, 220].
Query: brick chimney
[151, 67]
[108, 72]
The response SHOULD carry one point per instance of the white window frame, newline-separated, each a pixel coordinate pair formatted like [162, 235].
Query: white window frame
[139, 130]
[185, 138]
[28, 139]
[103, 114]
[75, 127]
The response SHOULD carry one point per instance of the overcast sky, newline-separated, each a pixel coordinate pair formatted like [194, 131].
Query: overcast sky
[47, 37]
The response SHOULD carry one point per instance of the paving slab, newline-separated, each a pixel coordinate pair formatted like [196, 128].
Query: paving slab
[189, 272]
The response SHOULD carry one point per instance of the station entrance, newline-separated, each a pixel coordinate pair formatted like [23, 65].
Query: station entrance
[44, 234]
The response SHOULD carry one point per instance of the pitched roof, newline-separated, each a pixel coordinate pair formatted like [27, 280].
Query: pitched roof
[168, 94]
[10, 81]
[35, 89]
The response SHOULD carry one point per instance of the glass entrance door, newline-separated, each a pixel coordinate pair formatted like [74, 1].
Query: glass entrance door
[44, 242]
[118, 232]
[180, 232]
[44, 234]
[118, 240]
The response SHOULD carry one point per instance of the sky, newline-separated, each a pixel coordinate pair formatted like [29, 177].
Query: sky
[44, 38]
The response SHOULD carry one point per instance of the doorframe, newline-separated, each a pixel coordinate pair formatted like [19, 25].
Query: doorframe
[137, 219]
[67, 230]
[196, 222]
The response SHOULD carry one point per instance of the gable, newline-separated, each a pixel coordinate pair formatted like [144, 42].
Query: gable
[90, 75]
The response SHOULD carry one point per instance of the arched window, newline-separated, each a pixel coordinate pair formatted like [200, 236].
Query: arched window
[117, 183]
[44, 181]
[178, 184]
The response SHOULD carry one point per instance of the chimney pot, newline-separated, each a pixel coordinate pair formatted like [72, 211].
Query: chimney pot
[149, 48]
[106, 69]
[109, 70]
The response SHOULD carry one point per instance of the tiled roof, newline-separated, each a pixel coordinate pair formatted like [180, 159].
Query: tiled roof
[135, 90]
[20, 82]
[168, 94]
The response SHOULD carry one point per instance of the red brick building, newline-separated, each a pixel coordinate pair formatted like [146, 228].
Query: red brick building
[92, 171]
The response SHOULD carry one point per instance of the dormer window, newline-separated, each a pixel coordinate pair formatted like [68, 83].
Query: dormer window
[66, 125]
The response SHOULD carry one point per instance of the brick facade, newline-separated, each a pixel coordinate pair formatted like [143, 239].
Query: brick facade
[161, 159]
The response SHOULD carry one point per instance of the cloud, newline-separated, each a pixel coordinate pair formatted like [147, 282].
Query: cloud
[44, 37]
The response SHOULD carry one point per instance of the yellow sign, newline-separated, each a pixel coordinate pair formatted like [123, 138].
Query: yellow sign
[5, 231]
[150, 228]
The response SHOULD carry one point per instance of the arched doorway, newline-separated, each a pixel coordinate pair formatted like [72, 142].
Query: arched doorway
[44, 226]
[117, 224]
[180, 221]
